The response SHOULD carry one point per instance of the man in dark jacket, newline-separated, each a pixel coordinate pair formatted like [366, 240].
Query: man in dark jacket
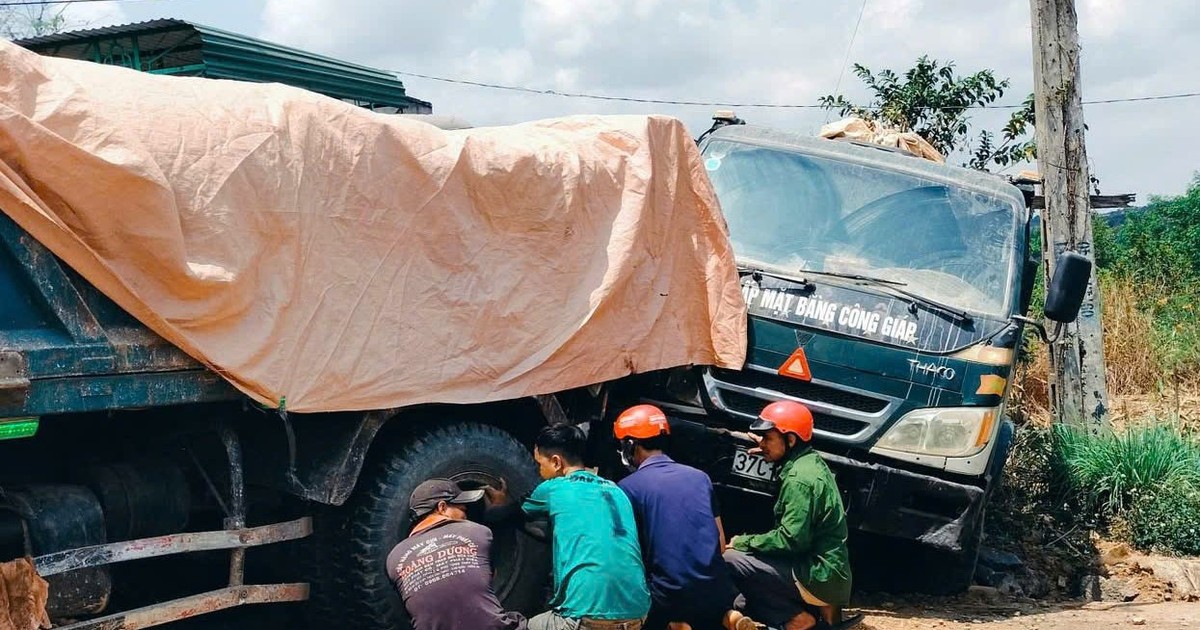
[443, 570]
[802, 563]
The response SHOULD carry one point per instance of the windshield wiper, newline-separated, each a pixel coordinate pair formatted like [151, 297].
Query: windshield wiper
[856, 276]
[797, 278]
[956, 313]
[886, 283]
[894, 285]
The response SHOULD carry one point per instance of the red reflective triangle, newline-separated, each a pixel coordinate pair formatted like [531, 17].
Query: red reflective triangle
[796, 366]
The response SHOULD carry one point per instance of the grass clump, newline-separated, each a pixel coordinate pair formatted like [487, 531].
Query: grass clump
[1109, 469]
[1145, 479]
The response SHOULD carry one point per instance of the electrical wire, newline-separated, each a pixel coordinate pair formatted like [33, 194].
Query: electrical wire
[837, 88]
[657, 101]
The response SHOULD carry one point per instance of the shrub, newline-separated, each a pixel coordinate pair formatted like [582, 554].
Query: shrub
[1166, 520]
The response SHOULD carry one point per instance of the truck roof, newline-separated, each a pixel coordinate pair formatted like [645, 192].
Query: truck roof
[871, 155]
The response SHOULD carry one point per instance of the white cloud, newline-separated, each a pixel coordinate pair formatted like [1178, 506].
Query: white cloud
[764, 51]
[94, 13]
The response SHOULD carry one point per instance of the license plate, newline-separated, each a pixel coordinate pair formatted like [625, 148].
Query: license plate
[753, 466]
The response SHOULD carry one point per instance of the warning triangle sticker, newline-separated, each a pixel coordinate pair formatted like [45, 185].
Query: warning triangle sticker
[796, 366]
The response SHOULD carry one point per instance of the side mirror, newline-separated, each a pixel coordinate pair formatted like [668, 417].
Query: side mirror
[1065, 295]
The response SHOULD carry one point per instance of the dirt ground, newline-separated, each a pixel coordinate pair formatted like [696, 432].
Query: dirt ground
[1094, 616]
[1136, 591]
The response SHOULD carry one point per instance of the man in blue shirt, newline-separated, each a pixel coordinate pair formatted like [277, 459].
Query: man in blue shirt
[679, 529]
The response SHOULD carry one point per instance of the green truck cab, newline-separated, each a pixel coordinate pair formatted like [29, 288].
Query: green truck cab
[886, 293]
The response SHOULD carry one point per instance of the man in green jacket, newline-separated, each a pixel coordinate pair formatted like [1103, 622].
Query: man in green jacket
[802, 564]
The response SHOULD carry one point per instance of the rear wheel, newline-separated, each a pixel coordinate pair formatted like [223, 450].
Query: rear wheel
[353, 590]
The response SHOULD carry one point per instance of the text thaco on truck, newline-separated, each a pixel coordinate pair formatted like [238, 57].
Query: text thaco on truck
[888, 293]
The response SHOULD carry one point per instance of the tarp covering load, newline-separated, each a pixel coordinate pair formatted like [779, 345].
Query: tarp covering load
[23, 596]
[344, 260]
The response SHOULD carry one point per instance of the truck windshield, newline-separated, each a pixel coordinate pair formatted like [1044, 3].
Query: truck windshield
[799, 212]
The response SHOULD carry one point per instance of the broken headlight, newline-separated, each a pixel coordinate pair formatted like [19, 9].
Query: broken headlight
[942, 432]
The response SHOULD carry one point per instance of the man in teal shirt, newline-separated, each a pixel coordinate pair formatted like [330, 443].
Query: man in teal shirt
[599, 578]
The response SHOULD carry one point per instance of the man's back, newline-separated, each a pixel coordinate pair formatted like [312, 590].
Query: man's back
[598, 571]
[444, 574]
[676, 514]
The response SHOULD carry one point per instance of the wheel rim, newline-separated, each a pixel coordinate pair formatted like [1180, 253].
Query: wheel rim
[506, 548]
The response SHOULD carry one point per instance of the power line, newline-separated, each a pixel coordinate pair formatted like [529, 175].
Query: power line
[597, 97]
[1134, 99]
[657, 101]
[837, 88]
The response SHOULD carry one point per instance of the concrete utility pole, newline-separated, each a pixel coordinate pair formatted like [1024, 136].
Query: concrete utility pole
[1077, 386]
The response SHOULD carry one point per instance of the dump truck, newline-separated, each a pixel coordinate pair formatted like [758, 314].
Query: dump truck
[146, 486]
[240, 322]
[889, 294]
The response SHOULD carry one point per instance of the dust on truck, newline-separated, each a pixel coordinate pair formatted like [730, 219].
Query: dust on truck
[887, 293]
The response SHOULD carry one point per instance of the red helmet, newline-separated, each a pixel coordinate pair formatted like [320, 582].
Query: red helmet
[786, 416]
[641, 422]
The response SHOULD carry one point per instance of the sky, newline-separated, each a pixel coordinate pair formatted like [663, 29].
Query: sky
[785, 51]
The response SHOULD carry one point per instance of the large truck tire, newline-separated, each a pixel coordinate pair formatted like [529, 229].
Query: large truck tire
[352, 590]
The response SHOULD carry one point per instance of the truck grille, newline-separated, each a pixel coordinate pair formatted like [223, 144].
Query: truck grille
[801, 389]
[752, 405]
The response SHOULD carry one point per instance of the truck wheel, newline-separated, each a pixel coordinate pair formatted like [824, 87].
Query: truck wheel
[353, 591]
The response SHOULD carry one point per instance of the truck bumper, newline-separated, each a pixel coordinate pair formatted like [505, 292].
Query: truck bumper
[879, 499]
[887, 501]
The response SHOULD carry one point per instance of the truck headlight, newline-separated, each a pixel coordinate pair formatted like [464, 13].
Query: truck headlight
[942, 432]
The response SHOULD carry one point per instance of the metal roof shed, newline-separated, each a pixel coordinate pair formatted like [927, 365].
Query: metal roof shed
[170, 46]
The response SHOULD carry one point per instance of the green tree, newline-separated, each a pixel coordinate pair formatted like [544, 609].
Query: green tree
[34, 21]
[1106, 247]
[1161, 242]
[934, 101]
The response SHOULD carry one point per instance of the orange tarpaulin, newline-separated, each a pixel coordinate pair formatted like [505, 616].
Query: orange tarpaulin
[344, 260]
[23, 596]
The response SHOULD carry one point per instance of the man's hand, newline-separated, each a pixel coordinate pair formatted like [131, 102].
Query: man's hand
[497, 497]
[757, 450]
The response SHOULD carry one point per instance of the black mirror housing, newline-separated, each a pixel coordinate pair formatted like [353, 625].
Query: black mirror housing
[1064, 297]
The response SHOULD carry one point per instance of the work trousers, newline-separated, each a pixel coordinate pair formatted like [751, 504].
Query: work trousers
[769, 594]
[551, 620]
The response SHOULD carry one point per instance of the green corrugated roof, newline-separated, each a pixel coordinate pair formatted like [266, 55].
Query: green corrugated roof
[171, 46]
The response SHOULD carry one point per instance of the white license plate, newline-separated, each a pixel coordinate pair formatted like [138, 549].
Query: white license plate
[753, 466]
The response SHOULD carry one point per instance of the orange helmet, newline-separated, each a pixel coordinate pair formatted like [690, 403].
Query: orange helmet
[641, 422]
[786, 416]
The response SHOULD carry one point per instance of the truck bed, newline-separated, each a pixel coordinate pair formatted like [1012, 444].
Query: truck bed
[65, 348]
